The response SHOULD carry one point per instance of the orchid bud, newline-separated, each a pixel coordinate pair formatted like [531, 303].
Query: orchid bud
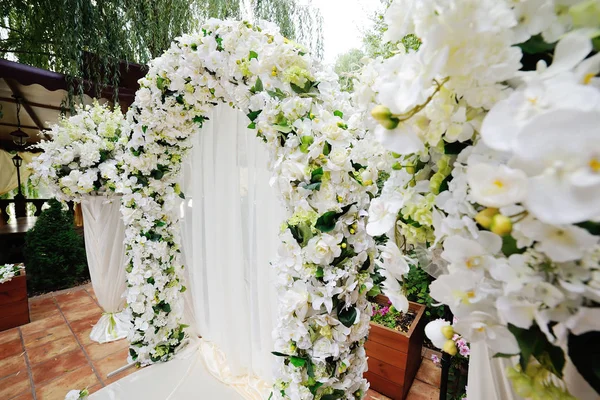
[450, 347]
[381, 113]
[484, 218]
[448, 331]
[501, 225]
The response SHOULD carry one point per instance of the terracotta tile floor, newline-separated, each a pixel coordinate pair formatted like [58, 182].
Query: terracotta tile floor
[53, 354]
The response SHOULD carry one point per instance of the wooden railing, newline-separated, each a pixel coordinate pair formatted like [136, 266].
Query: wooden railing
[21, 207]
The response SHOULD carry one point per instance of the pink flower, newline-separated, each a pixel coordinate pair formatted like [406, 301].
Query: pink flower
[435, 359]
[464, 351]
[456, 337]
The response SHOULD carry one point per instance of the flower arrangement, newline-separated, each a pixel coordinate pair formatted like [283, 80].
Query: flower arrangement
[325, 168]
[9, 271]
[80, 158]
[77, 394]
[495, 177]
[390, 317]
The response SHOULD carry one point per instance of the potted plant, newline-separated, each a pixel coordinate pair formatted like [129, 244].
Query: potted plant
[394, 347]
[14, 308]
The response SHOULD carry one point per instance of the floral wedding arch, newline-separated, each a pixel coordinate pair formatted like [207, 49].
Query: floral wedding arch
[324, 168]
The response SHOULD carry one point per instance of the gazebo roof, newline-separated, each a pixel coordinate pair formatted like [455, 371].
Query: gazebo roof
[42, 95]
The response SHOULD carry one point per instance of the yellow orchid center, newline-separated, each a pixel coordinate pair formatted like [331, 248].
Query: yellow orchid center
[594, 164]
[533, 100]
[499, 184]
[588, 78]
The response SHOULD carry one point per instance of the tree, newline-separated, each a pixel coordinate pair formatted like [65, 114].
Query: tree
[54, 252]
[60, 35]
[345, 66]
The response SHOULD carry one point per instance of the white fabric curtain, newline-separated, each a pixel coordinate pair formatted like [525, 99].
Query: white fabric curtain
[231, 218]
[104, 234]
[229, 225]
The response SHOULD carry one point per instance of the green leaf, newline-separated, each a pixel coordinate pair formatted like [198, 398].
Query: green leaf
[591, 227]
[252, 55]
[283, 128]
[456, 147]
[313, 186]
[251, 125]
[252, 115]
[310, 370]
[277, 94]
[199, 119]
[536, 44]
[326, 222]
[160, 83]
[320, 272]
[297, 361]
[278, 354]
[533, 342]
[313, 388]
[509, 246]
[375, 291]
[584, 351]
[444, 184]
[326, 149]
[338, 113]
[347, 316]
[258, 86]
[316, 175]
[182, 195]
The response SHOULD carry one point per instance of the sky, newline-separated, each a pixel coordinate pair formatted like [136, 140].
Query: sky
[343, 21]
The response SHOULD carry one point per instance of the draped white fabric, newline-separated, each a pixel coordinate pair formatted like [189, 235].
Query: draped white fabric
[230, 223]
[230, 226]
[104, 233]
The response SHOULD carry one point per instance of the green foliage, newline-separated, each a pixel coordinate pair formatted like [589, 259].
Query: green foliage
[88, 38]
[346, 66]
[416, 288]
[54, 252]
[584, 351]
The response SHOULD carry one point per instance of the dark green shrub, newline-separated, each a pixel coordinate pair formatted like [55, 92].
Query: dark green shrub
[54, 252]
[416, 287]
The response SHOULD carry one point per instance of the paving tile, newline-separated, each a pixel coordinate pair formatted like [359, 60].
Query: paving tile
[25, 396]
[14, 385]
[97, 351]
[423, 391]
[12, 364]
[58, 388]
[42, 337]
[106, 365]
[92, 294]
[429, 373]
[86, 323]
[373, 395]
[57, 366]
[11, 348]
[80, 309]
[42, 308]
[71, 295]
[52, 349]
[42, 324]
[9, 335]
[84, 337]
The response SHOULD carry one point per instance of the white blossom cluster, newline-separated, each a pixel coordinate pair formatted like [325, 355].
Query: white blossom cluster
[323, 170]
[9, 271]
[496, 177]
[80, 157]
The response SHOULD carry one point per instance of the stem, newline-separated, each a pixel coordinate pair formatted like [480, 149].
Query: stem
[416, 109]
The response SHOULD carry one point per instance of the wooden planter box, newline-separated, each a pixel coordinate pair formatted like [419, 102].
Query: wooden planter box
[395, 357]
[14, 307]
